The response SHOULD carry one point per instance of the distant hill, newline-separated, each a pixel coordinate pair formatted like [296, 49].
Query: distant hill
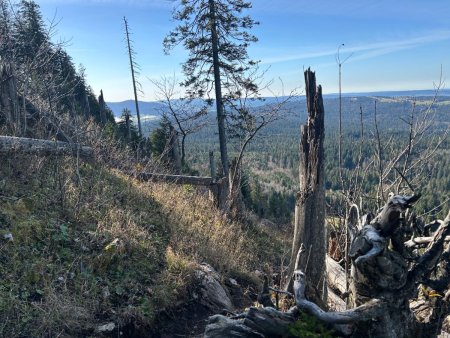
[146, 109]
[152, 109]
[401, 93]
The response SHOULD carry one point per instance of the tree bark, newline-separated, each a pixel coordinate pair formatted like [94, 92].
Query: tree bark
[381, 270]
[385, 289]
[10, 145]
[218, 90]
[335, 276]
[130, 54]
[9, 103]
[309, 224]
[175, 150]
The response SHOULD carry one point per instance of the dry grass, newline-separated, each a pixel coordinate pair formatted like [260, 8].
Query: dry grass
[92, 245]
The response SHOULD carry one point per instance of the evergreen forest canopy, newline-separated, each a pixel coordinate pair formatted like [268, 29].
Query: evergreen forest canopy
[271, 165]
[53, 97]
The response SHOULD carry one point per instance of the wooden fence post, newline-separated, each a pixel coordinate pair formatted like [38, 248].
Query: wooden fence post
[212, 165]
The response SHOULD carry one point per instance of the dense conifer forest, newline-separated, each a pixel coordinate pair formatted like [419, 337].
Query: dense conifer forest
[271, 165]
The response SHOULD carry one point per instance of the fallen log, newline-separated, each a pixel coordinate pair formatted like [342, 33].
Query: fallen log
[221, 326]
[335, 302]
[335, 276]
[269, 321]
[10, 145]
[178, 179]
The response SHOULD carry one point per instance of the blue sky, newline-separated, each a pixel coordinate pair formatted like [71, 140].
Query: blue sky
[394, 45]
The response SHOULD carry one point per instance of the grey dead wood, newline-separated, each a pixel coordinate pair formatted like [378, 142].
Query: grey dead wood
[335, 302]
[382, 269]
[10, 145]
[335, 276]
[384, 288]
[269, 322]
[309, 224]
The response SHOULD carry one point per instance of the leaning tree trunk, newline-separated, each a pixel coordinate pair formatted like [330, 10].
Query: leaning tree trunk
[133, 76]
[310, 228]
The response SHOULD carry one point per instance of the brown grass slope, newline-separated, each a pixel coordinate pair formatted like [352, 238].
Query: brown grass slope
[92, 246]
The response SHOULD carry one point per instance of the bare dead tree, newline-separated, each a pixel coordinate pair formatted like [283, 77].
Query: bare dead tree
[246, 118]
[408, 158]
[186, 115]
[340, 63]
[134, 67]
[379, 157]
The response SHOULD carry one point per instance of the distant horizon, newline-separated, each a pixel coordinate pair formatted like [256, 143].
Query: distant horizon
[385, 44]
[441, 92]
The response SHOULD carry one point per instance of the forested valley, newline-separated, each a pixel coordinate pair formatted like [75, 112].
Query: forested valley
[271, 164]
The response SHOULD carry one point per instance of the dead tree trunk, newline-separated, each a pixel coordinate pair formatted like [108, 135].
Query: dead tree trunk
[9, 104]
[133, 74]
[384, 287]
[310, 206]
[175, 150]
[382, 269]
[10, 145]
[235, 201]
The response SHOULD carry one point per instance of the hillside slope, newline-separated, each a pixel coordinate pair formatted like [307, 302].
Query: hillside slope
[91, 246]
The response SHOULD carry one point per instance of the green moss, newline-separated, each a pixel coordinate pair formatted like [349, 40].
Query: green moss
[309, 327]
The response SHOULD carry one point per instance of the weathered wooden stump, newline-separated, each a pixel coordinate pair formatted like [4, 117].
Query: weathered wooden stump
[384, 287]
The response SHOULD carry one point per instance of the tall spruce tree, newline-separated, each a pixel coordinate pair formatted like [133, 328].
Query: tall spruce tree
[216, 34]
[30, 36]
[5, 33]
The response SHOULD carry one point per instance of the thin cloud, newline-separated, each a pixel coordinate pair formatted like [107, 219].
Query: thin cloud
[366, 51]
[140, 3]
